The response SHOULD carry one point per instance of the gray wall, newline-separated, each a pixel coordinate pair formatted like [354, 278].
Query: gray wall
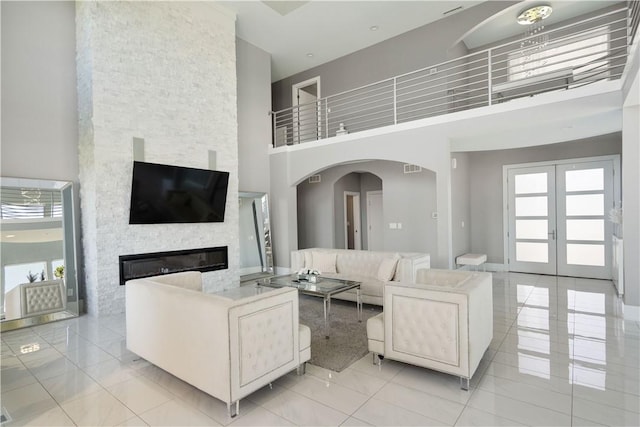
[39, 103]
[427, 45]
[39, 111]
[407, 198]
[485, 184]
[253, 67]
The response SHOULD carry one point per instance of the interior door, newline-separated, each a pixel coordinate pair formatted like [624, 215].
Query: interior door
[585, 195]
[558, 219]
[532, 222]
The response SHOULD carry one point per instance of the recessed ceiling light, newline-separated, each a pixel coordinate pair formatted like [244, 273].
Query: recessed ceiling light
[10, 236]
[310, 55]
[374, 28]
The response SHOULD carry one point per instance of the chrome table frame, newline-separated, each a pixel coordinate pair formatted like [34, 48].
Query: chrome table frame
[324, 287]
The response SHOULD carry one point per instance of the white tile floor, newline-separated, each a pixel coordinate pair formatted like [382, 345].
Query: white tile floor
[561, 355]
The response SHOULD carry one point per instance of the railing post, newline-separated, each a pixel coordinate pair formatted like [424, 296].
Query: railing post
[326, 117]
[273, 128]
[395, 100]
[489, 74]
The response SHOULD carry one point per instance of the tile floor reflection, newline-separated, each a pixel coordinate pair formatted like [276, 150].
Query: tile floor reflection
[561, 355]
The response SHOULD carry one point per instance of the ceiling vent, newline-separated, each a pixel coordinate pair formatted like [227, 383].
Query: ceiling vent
[408, 168]
[314, 179]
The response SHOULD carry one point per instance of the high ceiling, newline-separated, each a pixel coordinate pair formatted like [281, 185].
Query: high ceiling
[328, 29]
[303, 34]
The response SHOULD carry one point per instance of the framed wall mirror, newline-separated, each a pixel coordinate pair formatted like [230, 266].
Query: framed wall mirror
[256, 254]
[38, 266]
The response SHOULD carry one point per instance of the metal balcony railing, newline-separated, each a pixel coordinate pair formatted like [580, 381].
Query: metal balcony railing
[564, 58]
[29, 203]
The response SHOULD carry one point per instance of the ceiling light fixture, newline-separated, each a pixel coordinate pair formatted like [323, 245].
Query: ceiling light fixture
[310, 55]
[532, 18]
[534, 14]
[374, 28]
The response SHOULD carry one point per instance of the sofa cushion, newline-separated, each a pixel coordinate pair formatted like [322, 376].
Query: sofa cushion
[387, 268]
[448, 278]
[308, 260]
[324, 262]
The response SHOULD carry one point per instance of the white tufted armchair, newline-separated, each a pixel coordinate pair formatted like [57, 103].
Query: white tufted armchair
[444, 322]
[33, 299]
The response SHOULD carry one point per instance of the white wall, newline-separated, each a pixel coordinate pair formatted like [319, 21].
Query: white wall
[420, 146]
[460, 204]
[631, 207]
[165, 72]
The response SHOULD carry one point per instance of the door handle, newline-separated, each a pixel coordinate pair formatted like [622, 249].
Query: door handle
[552, 234]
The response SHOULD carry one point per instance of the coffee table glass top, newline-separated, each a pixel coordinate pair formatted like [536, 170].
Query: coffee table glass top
[323, 287]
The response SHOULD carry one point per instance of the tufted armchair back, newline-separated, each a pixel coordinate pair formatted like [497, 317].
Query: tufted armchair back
[32, 299]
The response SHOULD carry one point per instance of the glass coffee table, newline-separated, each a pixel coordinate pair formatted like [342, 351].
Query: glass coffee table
[324, 287]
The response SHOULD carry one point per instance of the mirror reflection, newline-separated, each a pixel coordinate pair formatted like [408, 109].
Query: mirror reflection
[256, 256]
[38, 268]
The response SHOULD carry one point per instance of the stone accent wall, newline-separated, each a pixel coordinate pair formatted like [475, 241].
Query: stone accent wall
[165, 72]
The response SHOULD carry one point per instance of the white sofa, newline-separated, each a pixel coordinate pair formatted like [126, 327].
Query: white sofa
[372, 268]
[228, 344]
[36, 298]
[443, 322]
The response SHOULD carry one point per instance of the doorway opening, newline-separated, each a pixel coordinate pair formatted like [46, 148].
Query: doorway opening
[352, 214]
[306, 117]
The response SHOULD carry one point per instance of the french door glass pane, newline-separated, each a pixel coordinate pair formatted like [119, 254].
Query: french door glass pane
[581, 254]
[532, 229]
[532, 252]
[531, 206]
[585, 229]
[585, 180]
[531, 183]
[585, 204]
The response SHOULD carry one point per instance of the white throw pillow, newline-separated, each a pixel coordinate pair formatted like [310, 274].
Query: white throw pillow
[324, 262]
[308, 260]
[387, 268]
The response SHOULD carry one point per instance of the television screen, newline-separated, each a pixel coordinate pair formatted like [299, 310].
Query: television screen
[163, 194]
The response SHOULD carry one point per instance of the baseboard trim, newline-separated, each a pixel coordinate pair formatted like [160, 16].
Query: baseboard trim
[487, 266]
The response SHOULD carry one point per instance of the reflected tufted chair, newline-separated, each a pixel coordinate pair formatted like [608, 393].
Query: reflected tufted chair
[33, 299]
[444, 322]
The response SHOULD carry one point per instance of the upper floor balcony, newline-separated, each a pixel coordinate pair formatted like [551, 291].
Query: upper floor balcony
[564, 58]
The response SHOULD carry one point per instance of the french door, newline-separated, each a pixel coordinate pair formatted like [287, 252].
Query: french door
[557, 219]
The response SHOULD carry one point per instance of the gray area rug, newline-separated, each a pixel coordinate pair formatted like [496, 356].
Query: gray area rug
[347, 341]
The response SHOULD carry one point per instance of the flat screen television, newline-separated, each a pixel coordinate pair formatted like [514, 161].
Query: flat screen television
[165, 194]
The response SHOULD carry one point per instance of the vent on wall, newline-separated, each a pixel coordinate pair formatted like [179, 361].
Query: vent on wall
[314, 179]
[408, 168]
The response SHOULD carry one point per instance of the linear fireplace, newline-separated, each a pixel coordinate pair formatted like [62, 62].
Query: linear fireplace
[157, 263]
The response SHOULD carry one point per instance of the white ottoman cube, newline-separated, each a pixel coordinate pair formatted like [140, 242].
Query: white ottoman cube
[471, 259]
